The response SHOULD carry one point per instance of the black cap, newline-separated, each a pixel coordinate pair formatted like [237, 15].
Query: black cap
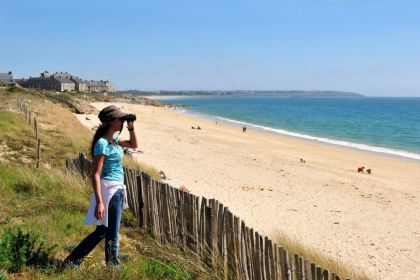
[110, 113]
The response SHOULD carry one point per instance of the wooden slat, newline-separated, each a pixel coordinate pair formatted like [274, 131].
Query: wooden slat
[172, 212]
[261, 254]
[188, 220]
[184, 211]
[298, 266]
[308, 274]
[148, 212]
[220, 242]
[152, 202]
[224, 237]
[236, 245]
[197, 223]
[208, 240]
[313, 271]
[272, 260]
[214, 205]
[245, 251]
[178, 199]
[283, 264]
[140, 217]
[318, 273]
[203, 236]
[257, 263]
[325, 275]
[266, 259]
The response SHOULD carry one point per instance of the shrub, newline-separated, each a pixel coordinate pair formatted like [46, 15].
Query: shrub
[18, 249]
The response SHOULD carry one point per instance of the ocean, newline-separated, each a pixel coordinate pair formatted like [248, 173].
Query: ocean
[378, 124]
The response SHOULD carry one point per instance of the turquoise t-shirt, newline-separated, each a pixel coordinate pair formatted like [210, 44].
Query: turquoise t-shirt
[112, 169]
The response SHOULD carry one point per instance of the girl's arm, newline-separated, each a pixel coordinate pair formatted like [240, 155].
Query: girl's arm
[98, 162]
[132, 143]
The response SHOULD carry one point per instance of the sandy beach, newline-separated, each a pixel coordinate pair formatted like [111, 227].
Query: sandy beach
[368, 221]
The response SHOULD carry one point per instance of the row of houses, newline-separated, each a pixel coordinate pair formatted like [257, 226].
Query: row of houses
[60, 81]
[6, 79]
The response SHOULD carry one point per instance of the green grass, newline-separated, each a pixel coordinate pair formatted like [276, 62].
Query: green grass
[51, 201]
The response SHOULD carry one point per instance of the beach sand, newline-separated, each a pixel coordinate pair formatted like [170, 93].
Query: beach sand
[370, 222]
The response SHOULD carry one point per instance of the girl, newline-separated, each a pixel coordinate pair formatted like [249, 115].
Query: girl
[109, 194]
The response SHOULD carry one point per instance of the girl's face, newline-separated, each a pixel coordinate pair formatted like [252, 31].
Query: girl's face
[116, 125]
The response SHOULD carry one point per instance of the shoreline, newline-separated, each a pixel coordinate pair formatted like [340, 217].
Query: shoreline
[324, 203]
[376, 150]
[174, 97]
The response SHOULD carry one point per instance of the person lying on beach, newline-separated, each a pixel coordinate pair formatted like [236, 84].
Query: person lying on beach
[361, 169]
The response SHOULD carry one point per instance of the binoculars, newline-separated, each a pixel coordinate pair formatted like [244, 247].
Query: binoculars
[129, 118]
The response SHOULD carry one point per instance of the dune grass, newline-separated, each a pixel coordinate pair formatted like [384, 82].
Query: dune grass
[51, 201]
[62, 135]
[333, 265]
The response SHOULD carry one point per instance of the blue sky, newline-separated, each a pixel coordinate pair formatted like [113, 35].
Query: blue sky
[369, 47]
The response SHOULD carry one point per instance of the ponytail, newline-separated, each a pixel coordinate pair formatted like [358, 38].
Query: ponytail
[100, 132]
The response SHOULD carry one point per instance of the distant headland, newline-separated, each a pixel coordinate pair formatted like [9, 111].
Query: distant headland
[250, 93]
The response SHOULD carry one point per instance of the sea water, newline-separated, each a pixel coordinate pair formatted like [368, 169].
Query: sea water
[385, 125]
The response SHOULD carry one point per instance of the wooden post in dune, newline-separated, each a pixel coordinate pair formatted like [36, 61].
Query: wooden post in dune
[30, 117]
[39, 153]
[36, 128]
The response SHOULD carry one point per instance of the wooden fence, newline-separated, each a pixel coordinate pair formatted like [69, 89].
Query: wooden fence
[209, 229]
[65, 99]
[31, 118]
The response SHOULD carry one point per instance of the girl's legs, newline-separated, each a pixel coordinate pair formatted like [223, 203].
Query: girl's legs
[86, 246]
[111, 233]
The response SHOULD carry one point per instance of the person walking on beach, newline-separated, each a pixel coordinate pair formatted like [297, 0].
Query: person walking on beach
[109, 193]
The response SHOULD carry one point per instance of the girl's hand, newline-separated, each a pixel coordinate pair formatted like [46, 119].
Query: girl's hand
[99, 211]
[130, 124]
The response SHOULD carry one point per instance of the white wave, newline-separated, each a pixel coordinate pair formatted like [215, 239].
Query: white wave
[364, 147]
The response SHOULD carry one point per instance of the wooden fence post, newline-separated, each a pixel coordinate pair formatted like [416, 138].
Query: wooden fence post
[36, 128]
[39, 153]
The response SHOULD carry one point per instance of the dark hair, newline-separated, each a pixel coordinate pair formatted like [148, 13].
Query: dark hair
[100, 132]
